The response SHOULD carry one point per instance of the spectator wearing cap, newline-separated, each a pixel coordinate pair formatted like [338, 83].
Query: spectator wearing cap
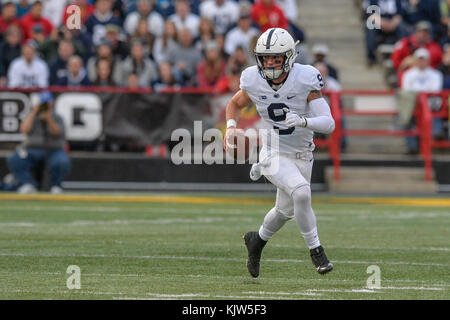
[103, 16]
[320, 53]
[86, 10]
[28, 70]
[392, 27]
[38, 35]
[140, 65]
[266, 14]
[114, 37]
[211, 68]
[184, 57]
[223, 13]
[145, 10]
[420, 78]
[76, 75]
[402, 55]
[184, 18]
[10, 49]
[8, 17]
[58, 66]
[44, 143]
[49, 48]
[104, 51]
[240, 35]
[34, 17]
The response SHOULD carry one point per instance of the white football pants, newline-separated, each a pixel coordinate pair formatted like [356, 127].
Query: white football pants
[293, 200]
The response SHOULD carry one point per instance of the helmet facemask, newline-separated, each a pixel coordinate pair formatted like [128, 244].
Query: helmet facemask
[271, 73]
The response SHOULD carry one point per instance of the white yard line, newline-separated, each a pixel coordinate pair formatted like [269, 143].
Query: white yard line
[144, 296]
[304, 293]
[4, 254]
[128, 209]
[366, 248]
[82, 223]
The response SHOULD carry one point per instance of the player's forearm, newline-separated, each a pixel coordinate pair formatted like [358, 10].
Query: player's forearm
[321, 124]
[321, 121]
[240, 100]
[232, 111]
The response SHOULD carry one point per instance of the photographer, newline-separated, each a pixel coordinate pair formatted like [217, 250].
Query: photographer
[43, 147]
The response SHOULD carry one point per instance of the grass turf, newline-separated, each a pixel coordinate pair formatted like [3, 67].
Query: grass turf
[176, 250]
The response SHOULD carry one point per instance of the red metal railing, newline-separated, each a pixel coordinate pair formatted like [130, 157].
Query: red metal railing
[333, 141]
[423, 130]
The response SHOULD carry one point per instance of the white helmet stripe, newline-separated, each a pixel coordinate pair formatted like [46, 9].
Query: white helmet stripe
[269, 38]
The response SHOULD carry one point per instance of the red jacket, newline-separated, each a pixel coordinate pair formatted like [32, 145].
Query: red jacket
[406, 47]
[268, 16]
[202, 79]
[4, 24]
[27, 23]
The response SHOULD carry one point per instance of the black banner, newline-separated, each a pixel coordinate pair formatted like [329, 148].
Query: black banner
[140, 118]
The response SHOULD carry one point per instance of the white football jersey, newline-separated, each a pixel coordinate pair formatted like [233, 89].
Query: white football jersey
[302, 79]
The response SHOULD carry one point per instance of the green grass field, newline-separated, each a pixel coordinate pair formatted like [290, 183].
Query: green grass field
[177, 248]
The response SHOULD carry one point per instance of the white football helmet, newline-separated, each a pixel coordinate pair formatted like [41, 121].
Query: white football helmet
[275, 42]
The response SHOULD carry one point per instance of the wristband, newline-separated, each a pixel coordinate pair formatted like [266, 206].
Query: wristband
[231, 123]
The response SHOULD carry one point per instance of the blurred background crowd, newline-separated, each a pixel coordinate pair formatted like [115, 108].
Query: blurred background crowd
[136, 43]
[407, 25]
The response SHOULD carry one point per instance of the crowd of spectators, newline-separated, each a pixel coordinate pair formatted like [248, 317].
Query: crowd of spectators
[135, 43]
[407, 25]
[418, 31]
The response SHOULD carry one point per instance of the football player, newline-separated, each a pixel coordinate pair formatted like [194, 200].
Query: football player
[288, 98]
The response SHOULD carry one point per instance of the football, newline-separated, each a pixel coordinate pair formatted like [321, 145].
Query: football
[239, 148]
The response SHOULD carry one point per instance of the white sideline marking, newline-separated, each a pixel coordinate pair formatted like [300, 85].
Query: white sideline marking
[413, 288]
[211, 259]
[78, 223]
[150, 295]
[130, 209]
[283, 293]
[367, 248]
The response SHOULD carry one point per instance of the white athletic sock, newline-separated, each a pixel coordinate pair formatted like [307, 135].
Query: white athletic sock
[273, 221]
[311, 239]
[305, 217]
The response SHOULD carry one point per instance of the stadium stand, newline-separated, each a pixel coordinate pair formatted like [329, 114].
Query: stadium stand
[188, 54]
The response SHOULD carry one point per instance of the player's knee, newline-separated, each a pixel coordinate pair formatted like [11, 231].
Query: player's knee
[302, 194]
